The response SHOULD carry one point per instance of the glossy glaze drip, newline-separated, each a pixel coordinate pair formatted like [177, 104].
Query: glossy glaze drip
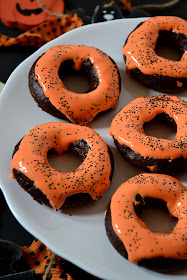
[79, 108]
[127, 127]
[140, 48]
[92, 176]
[139, 241]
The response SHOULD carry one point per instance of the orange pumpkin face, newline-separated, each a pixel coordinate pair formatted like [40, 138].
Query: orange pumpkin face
[25, 14]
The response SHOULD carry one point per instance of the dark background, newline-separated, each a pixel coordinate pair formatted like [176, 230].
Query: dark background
[10, 57]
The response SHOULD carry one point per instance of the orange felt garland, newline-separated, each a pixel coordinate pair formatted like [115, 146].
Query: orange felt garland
[44, 32]
[38, 257]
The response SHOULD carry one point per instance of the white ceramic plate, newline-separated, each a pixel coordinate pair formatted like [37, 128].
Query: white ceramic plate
[79, 238]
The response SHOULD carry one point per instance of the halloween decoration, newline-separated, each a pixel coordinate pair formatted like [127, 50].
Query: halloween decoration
[43, 33]
[25, 14]
[44, 262]
[127, 4]
[104, 13]
[12, 263]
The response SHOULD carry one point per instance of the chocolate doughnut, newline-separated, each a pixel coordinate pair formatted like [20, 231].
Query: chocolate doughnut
[47, 185]
[129, 234]
[53, 97]
[146, 66]
[146, 152]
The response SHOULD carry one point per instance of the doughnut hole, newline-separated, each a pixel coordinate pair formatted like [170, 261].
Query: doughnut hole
[82, 81]
[69, 161]
[162, 126]
[169, 45]
[154, 213]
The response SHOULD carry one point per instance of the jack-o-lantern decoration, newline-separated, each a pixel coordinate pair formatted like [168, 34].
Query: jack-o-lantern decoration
[25, 14]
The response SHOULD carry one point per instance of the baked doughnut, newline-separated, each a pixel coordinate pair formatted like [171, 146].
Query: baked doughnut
[145, 65]
[47, 185]
[146, 152]
[129, 234]
[53, 97]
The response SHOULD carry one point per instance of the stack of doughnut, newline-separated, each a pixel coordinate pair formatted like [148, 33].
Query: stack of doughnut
[30, 164]
[125, 230]
[129, 235]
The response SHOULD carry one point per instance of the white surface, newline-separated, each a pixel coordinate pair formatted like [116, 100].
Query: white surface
[1, 86]
[81, 237]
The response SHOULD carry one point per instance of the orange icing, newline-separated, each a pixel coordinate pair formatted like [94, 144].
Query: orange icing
[140, 48]
[92, 176]
[127, 127]
[78, 108]
[152, 168]
[139, 241]
[179, 84]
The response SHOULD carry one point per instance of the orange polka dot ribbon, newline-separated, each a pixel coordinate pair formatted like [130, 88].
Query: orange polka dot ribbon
[38, 257]
[44, 32]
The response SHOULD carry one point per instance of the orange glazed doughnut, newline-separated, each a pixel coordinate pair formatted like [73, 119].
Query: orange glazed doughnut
[129, 234]
[46, 184]
[53, 97]
[145, 65]
[146, 152]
